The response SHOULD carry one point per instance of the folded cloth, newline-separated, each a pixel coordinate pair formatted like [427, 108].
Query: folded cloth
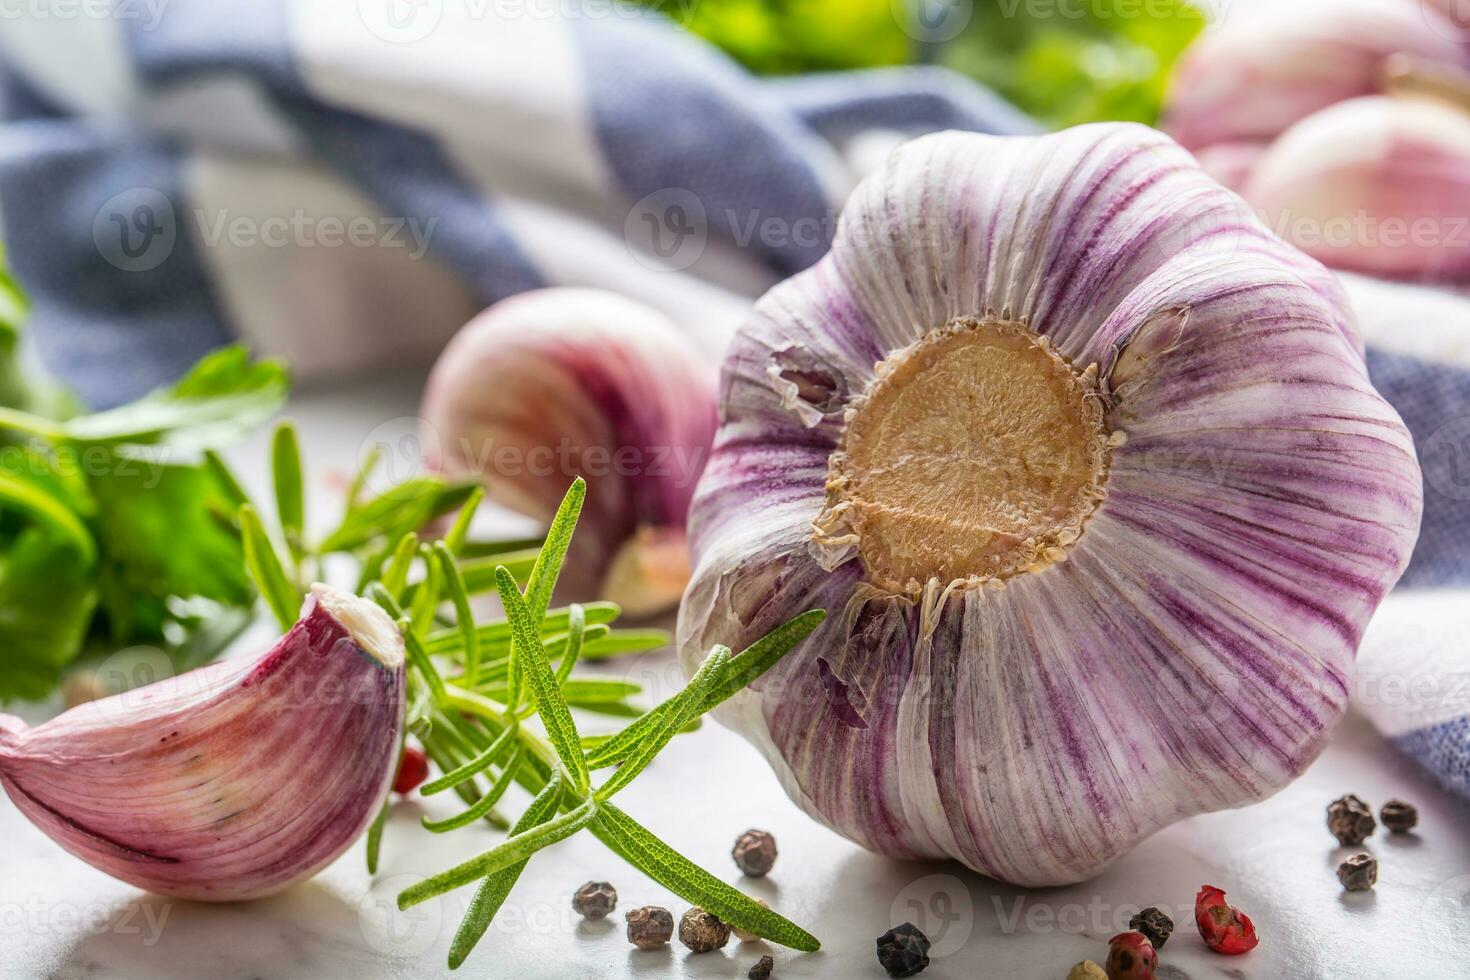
[345, 183]
[1414, 679]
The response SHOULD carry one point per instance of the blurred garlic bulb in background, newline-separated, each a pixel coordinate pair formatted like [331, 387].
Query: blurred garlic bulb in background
[1343, 122]
[1263, 67]
[1378, 185]
[1086, 468]
[557, 383]
[233, 781]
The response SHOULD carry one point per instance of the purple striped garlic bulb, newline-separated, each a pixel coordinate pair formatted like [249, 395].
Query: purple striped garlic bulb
[1086, 468]
[233, 781]
[557, 383]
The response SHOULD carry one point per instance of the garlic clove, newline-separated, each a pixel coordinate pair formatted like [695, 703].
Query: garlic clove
[1378, 185]
[648, 573]
[1165, 635]
[558, 383]
[233, 781]
[1259, 70]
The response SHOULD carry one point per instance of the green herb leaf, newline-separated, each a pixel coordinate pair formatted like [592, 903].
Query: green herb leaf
[229, 486]
[449, 643]
[265, 568]
[1100, 62]
[460, 531]
[364, 470]
[515, 849]
[491, 549]
[159, 534]
[36, 492]
[421, 661]
[464, 616]
[622, 642]
[686, 707]
[446, 759]
[479, 573]
[406, 507]
[375, 836]
[576, 632]
[495, 888]
[395, 576]
[550, 704]
[753, 661]
[47, 598]
[483, 805]
[224, 396]
[554, 552]
[493, 670]
[290, 488]
[424, 601]
[475, 766]
[640, 848]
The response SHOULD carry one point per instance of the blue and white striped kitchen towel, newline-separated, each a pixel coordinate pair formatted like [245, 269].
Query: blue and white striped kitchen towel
[345, 182]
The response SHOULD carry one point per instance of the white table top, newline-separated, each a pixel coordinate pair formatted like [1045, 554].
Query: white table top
[59, 918]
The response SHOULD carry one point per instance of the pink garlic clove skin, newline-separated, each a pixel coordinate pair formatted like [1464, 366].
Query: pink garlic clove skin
[1378, 185]
[558, 383]
[231, 782]
[1264, 68]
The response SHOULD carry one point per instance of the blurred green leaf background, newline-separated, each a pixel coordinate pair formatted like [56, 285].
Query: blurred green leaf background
[1065, 62]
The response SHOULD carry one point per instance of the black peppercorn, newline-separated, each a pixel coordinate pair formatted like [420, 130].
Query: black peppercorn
[650, 927]
[595, 899]
[762, 969]
[703, 931]
[903, 951]
[1358, 873]
[1399, 817]
[1154, 924]
[1350, 820]
[755, 852]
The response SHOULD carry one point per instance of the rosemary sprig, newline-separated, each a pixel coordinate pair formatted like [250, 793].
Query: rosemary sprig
[290, 489]
[525, 675]
[472, 684]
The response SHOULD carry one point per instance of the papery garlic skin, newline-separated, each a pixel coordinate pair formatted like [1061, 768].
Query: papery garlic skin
[557, 383]
[1190, 648]
[233, 781]
[1378, 185]
[1265, 67]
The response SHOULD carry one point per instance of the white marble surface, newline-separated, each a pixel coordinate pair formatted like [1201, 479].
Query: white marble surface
[59, 918]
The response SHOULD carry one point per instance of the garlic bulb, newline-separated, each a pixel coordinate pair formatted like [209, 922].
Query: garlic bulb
[229, 782]
[1263, 68]
[558, 383]
[1087, 470]
[1378, 185]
